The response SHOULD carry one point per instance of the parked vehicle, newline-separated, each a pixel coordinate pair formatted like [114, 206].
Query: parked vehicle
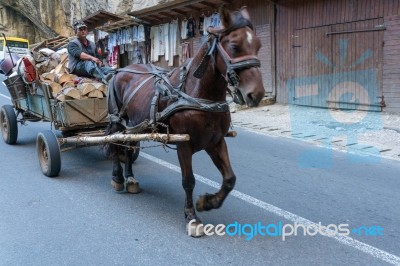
[13, 45]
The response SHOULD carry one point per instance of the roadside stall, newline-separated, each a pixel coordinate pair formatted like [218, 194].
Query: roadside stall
[125, 41]
[178, 28]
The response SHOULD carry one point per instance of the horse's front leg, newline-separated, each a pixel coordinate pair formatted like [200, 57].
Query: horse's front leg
[220, 157]
[132, 185]
[117, 180]
[194, 226]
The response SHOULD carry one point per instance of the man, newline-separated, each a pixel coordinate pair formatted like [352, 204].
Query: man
[82, 56]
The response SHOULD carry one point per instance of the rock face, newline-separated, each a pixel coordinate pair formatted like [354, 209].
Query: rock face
[37, 20]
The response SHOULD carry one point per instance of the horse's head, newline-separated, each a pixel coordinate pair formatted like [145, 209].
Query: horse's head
[238, 47]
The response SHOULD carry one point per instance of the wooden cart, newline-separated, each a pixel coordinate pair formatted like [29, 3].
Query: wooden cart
[80, 122]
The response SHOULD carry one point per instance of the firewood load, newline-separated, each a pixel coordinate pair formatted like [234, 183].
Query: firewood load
[52, 70]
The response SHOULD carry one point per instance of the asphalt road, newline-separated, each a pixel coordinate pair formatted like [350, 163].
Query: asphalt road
[77, 218]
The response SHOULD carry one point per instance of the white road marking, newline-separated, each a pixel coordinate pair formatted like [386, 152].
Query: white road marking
[5, 96]
[346, 240]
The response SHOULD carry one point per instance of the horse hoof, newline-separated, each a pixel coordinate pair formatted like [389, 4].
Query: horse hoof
[132, 186]
[195, 229]
[117, 186]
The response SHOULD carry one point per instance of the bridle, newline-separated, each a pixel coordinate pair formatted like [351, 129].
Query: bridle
[231, 64]
[241, 62]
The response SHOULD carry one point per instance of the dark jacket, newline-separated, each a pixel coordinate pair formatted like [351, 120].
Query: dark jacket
[75, 48]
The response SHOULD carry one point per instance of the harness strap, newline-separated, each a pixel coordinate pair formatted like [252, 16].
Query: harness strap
[246, 64]
[154, 108]
[199, 72]
[155, 71]
[197, 104]
[122, 111]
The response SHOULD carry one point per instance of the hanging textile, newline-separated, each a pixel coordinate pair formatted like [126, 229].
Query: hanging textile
[161, 47]
[201, 24]
[134, 33]
[141, 37]
[173, 41]
[155, 43]
[184, 52]
[191, 26]
[215, 20]
[184, 29]
[165, 40]
[206, 24]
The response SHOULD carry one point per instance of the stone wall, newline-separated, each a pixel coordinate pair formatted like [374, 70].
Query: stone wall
[37, 20]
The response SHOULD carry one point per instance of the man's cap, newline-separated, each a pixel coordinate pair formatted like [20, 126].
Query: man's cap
[79, 24]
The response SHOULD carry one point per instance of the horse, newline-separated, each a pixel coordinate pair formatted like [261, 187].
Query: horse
[190, 100]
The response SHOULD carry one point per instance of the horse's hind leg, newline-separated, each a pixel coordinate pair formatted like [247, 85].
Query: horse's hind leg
[220, 157]
[132, 185]
[193, 223]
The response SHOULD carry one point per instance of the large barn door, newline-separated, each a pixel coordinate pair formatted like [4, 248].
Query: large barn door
[311, 50]
[338, 66]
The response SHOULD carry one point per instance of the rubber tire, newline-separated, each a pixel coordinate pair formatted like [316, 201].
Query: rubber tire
[49, 154]
[9, 125]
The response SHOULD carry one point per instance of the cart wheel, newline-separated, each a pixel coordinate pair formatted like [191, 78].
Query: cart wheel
[8, 123]
[49, 153]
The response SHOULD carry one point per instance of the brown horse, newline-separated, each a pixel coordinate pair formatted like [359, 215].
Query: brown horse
[190, 100]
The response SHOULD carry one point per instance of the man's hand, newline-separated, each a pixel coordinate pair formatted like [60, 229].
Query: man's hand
[97, 61]
[88, 57]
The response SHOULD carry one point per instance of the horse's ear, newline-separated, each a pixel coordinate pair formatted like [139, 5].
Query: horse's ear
[225, 15]
[245, 13]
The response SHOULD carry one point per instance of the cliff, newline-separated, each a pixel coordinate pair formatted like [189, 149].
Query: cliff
[37, 20]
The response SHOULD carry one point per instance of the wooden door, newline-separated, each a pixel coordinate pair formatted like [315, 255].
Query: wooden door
[338, 66]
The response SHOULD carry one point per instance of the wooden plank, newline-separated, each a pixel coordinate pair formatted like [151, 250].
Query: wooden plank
[368, 9]
[392, 88]
[358, 10]
[375, 6]
[380, 58]
[395, 7]
[348, 11]
[392, 100]
[390, 64]
[386, 8]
